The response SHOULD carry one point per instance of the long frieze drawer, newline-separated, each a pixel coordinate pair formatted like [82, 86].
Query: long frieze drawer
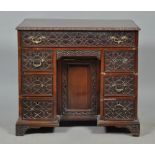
[37, 60]
[37, 85]
[119, 61]
[119, 85]
[78, 39]
[119, 109]
[37, 109]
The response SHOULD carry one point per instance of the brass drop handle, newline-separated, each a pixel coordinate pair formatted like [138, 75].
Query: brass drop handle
[123, 60]
[119, 40]
[36, 39]
[119, 88]
[118, 105]
[37, 63]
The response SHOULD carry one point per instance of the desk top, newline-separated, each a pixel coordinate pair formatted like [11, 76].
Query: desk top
[77, 24]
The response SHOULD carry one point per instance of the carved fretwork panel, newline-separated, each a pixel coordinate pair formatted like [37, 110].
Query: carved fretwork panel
[120, 109]
[78, 53]
[36, 60]
[78, 39]
[119, 61]
[35, 109]
[37, 85]
[121, 85]
[94, 97]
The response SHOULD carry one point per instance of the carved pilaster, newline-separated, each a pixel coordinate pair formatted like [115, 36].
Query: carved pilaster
[21, 129]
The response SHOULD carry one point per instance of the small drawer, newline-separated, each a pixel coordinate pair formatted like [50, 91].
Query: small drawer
[119, 109]
[78, 53]
[41, 85]
[119, 61]
[119, 85]
[37, 60]
[78, 39]
[37, 109]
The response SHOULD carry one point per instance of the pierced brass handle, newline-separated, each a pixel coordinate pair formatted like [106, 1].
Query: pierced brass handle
[123, 60]
[119, 88]
[119, 40]
[118, 105]
[38, 63]
[36, 39]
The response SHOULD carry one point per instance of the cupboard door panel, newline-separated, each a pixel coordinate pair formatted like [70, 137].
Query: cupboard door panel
[79, 92]
[79, 87]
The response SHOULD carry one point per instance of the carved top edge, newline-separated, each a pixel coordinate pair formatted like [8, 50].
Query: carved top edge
[78, 24]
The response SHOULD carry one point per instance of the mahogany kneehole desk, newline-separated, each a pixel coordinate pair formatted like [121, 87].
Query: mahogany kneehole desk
[77, 70]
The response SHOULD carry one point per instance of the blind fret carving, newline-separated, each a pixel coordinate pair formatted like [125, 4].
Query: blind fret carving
[119, 61]
[79, 53]
[37, 85]
[122, 85]
[37, 60]
[37, 109]
[119, 109]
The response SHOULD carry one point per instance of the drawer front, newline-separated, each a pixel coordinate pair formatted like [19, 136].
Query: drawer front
[119, 85]
[37, 60]
[119, 109]
[119, 61]
[33, 85]
[77, 53]
[78, 39]
[37, 109]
